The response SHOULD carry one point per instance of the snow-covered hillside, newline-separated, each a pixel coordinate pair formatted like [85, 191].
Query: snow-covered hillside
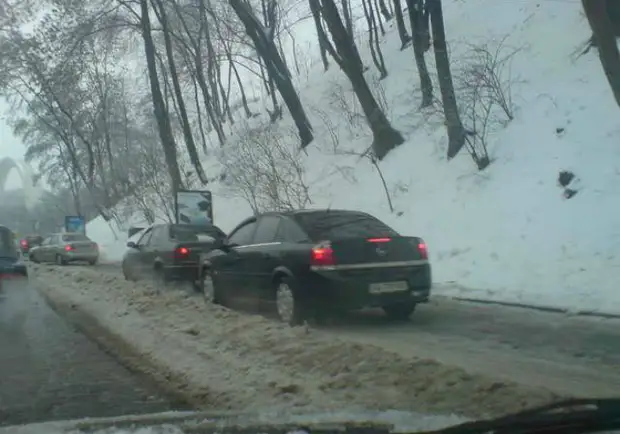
[506, 233]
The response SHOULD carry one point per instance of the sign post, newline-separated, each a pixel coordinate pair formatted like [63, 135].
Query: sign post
[75, 223]
[193, 207]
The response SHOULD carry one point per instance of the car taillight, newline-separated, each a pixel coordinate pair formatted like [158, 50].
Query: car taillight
[24, 243]
[322, 254]
[423, 250]
[68, 248]
[379, 240]
[181, 252]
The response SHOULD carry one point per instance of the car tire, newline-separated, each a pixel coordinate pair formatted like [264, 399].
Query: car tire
[126, 274]
[33, 258]
[289, 306]
[400, 311]
[160, 280]
[60, 260]
[93, 262]
[209, 289]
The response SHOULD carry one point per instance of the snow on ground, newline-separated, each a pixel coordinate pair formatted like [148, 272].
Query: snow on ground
[220, 359]
[503, 234]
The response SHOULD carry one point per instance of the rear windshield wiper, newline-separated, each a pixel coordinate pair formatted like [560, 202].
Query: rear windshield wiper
[574, 416]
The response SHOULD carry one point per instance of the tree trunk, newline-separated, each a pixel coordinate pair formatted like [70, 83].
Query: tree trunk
[419, 31]
[186, 127]
[405, 39]
[346, 12]
[604, 36]
[456, 132]
[316, 16]
[275, 67]
[385, 137]
[159, 106]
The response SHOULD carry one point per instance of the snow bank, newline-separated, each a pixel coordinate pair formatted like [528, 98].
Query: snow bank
[507, 233]
[221, 359]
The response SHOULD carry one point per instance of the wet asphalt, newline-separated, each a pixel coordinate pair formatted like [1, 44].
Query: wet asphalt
[51, 371]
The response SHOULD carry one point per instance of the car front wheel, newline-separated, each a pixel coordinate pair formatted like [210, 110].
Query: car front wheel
[208, 288]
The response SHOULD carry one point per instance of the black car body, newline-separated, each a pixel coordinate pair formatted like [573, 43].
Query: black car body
[330, 260]
[170, 252]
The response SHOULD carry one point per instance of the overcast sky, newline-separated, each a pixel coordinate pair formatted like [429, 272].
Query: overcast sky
[10, 146]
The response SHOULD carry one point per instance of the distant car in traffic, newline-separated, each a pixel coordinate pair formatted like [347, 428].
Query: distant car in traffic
[313, 263]
[10, 258]
[170, 252]
[64, 248]
[29, 242]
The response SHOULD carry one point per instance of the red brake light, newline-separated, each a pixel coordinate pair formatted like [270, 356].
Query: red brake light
[24, 243]
[182, 251]
[379, 240]
[322, 254]
[68, 248]
[423, 250]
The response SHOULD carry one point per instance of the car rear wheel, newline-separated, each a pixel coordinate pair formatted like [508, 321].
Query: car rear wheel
[208, 288]
[288, 304]
[60, 260]
[399, 312]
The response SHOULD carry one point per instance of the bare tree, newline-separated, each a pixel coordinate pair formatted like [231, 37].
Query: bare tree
[265, 46]
[265, 171]
[603, 31]
[456, 131]
[345, 53]
[190, 144]
[373, 38]
[161, 113]
[405, 39]
[418, 18]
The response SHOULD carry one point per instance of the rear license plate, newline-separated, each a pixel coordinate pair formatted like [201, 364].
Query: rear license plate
[388, 287]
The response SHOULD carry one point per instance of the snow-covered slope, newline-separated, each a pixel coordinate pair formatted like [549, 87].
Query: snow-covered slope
[506, 233]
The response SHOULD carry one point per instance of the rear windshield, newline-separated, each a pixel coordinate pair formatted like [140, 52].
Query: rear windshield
[331, 225]
[75, 237]
[190, 233]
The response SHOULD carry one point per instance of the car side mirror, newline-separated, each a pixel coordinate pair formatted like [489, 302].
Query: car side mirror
[132, 245]
[226, 245]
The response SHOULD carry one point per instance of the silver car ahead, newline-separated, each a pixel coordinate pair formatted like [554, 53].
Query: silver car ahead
[66, 247]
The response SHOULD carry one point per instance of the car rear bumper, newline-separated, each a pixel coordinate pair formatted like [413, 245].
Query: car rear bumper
[183, 272]
[351, 289]
[79, 256]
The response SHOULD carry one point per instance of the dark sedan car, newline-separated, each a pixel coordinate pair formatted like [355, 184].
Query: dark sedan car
[311, 263]
[169, 252]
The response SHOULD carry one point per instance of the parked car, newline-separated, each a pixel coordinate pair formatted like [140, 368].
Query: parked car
[64, 248]
[312, 263]
[29, 242]
[170, 252]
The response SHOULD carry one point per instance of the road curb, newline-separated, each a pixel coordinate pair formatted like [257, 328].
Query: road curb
[548, 309]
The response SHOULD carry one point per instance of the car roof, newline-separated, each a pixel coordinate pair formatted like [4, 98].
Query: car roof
[310, 211]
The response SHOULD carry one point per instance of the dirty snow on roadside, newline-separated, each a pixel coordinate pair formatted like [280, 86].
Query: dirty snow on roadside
[221, 359]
